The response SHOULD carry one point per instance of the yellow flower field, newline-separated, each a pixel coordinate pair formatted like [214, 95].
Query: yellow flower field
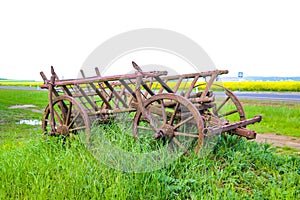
[276, 86]
[20, 83]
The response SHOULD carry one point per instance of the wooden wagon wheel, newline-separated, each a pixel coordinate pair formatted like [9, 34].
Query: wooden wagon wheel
[230, 108]
[174, 120]
[69, 118]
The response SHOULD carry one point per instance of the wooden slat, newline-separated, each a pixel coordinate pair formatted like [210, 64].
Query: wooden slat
[178, 84]
[121, 94]
[208, 85]
[201, 74]
[95, 107]
[188, 92]
[128, 88]
[116, 94]
[145, 86]
[99, 93]
[107, 78]
[165, 86]
[66, 90]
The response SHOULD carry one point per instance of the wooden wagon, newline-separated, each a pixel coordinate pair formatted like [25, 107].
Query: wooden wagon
[169, 108]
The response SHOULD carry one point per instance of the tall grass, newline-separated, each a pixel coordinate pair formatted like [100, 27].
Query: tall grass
[38, 169]
[32, 167]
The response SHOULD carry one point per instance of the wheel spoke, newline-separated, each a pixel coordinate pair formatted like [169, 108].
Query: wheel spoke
[171, 146]
[47, 120]
[164, 115]
[63, 107]
[182, 122]
[68, 117]
[145, 128]
[223, 103]
[152, 123]
[186, 134]
[174, 113]
[228, 113]
[73, 120]
[58, 117]
[77, 128]
[175, 140]
[156, 121]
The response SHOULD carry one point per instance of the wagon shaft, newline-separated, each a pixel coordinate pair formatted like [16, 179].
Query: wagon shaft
[237, 128]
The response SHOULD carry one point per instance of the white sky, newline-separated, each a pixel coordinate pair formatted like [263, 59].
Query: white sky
[257, 37]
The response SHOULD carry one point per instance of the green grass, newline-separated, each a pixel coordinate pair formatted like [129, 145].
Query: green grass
[10, 117]
[287, 149]
[278, 117]
[34, 168]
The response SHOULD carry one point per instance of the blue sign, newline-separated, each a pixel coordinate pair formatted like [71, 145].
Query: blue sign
[240, 74]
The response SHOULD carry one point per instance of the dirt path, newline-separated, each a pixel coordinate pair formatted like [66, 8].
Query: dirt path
[279, 140]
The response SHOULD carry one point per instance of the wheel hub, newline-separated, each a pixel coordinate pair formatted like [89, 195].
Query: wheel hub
[63, 130]
[165, 131]
[168, 130]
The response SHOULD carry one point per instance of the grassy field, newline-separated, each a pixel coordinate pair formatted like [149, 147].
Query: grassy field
[278, 117]
[34, 168]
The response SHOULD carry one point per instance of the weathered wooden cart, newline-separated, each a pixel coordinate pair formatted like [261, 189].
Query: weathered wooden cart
[169, 108]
